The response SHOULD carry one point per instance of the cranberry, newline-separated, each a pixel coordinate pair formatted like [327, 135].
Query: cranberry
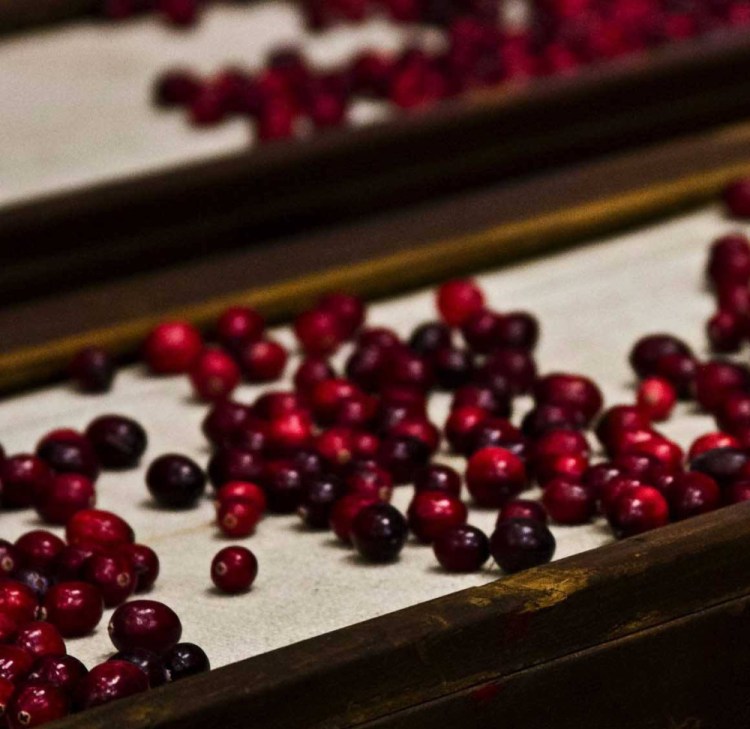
[480, 331]
[310, 372]
[92, 369]
[113, 574]
[725, 331]
[729, 260]
[370, 481]
[452, 367]
[40, 639]
[318, 498]
[402, 456]
[378, 337]
[336, 446]
[568, 502]
[67, 451]
[620, 418]
[438, 477]
[517, 329]
[234, 464]
[366, 366]
[344, 512]
[430, 337]
[38, 582]
[724, 465]
[734, 299]
[327, 396]
[214, 375]
[263, 361]
[318, 332]
[733, 413]
[461, 426]
[457, 300]
[709, 441]
[62, 671]
[148, 661]
[15, 663]
[737, 492]
[431, 512]
[648, 350]
[549, 416]
[660, 448]
[656, 397]
[275, 404]
[110, 681]
[574, 391]
[234, 569]
[185, 659]
[283, 486]
[406, 369]
[237, 518]
[638, 510]
[518, 544]
[289, 432]
[243, 491]
[172, 347]
[224, 422]
[515, 368]
[7, 690]
[144, 624]
[419, 428]
[379, 532]
[238, 325]
[348, 309]
[691, 494]
[119, 441]
[175, 481]
[494, 475]
[9, 558]
[36, 704]
[176, 87]
[737, 198]
[66, 494]
[38, 549]
[74, 608]
[96, 526]
[715, 380]
[462, 548]
[484, 398]
[72, 559]
[17, 601]
[145, 563]
[679, 369]
[613, 489]
[522, 509]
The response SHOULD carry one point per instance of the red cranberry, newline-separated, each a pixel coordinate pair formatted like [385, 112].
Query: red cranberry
[38, 549]
[457, 300]
[619, 418]
[176, 87]
[144, 624]
[208, 106]
[496, 432]
[175, 481]
[660, 448]
[67, 451]
[276, 120]
[62, 671]
[461, 425]
[225, 421]
[733, 413]
[517, 329]
[40, 639]
[649, 349]
[518, 544]
[568, 502]
[71, 560]
[327, 396]
[691, 494]
[9, 558]
[716, 379]
[725, 331]
[729, 260]
[402, 456]
[348, 309]
[574, 391]
[613, 489]
[237, 518]
[243, 491]
[379, 532]
[290, 432]
[734, 299]
[494, 475]
[110, 681]
[638, 510]
[515, 367]
[561, 442]
[214, 375]
[36, 704]
[482, 397]
[378, 337]
[92, 369]
[113, 575]
[74, 608]
[678, 369]
[370, 481]
[185, 659]
[263, 361]
[17, 601]
[336, 446]
[430, 513]
[15, 663]
[233, 464]
[96, 526]
[66, 494]
[172, 347]
[310, 372]
[145, 564]
[277, 404]
[737, 198]
[318, 498]
[724, 465]
[283, 484]
[419, 428]
[318, 332]
[522, 509]
[656, 397]
[480, 331]
[543, 418]
[462, 548]
[234, 569]
[238, 325]
[452, 367]
[438, 477]
[366, 366]
[404, 368]
[709, 441]
[344, 512]
[119, 441]
[148, 661]
[21, 477]
[430, 337]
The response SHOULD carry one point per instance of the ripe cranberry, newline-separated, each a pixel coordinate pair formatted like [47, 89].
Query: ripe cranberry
[737, 198]
[568, 502]
[243, 491]
[522, 509]
[15, 663]
[462, 548]
[38, 582]
[430, 337]
[620, 418]
[518, 544]
[237, 518]
[66, 494]
[144, 624]
[214, 375]
[691, 494]
[145, 563]
[113, 575]
[234, 464]
[574, 391]
[638, 510]
[370, 481]
[378, 337]
[733, 413]
[9, 558]
[289, 432]
[724, 465]
[715, 380]
[275, 404]
[176, 87]
[379, 532]
[119, 442]
[344, 512]
[172, 347]
[709, 441]
[737, 492]
[570, 467]
[327, 396]
[276, 120]
[17, 601]
[92, 369]
[96, 526]
[224, 421]
[517, 329]
[515, 368]
[348, 309]
[318, 498]
[356, 411]
[38, 549]
[482, 397]
[72, 559]
[457, 300]
[149, 662]
[561, 442]
[310, 372]
[452, 367]
[678, 369]
[734, 299]
[729, 260]
[318, 332]
[419, 428]
[494, 475]
[67, 451]
[208, 106]
[649, 349]
[404, 368]
[40, 638]
[263, 361]
[430, 513]
[543, 418]
[234, 569]
[175, 481]
[461, 425]
[402, 457]
[480, 331]
[660, 448]
[74, 608]
[238, 325]
[110, 681]
[36, 704]
[336, 446]
[62, 671]
[438, 477]
[656, 397]
[185, 659]
[725, 331]
[283, 483]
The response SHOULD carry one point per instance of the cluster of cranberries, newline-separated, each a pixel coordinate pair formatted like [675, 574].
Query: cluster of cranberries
[288, 97]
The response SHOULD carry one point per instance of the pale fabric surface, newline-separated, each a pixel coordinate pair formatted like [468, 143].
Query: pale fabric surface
[592, 302]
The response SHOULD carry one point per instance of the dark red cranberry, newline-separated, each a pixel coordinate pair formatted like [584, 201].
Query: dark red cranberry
[733, 298]
[516, 368]
[70, 561]
[371, 481]
[709, 441]
[647, 350]
[462, 548]
[172, 347]
[656, 397]
[348, 309]
[175, 481]
[74, 608]
[336, 446]
[366, 365]
[620, 418]
[733, 413]
[36, 704]
[737, 198]
[319, 495]
[715, 380]
[18, 601]
[9, 558]
[185, 659]
[573, 391]
[92, 369]
[461, 426]
[208, 106]
[725, 331]
[39, 582]
[119, 441]
[431, 337]
[145, 564]
[457, 300]
[419, 428]
[327, 396]
[38, 549]
[290, 432]
[406, 369]
[149, 662]
[494, 475]
[310, 372]
[110, 681]
[176, 87]
[223, 422]
[96, 526]
[402, 457]
[234, 569]
[430, 513]
[379, 532]
[518, 330]
[40, 638]
[283, 483]
[214, 375]
[15, 663]
[237, 518]
[729, 260]
[737, 492]
[318, 332]
[452, 367]
[344, 512]
[67, 451]
[568, 502]
[497, 432]
[691, 494]
[637, 510]
[438, 477]
[480, 329]
[233, 464]
[66, 494]
[372, 71]
[518, 544]
[263, 361]
[238, 325]
[144, 624]
[561, 442]
[522, 509]
[112, 574]
[378, 337]
[679, 369]
[543, 418]
[62, 671]
[484, 398]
